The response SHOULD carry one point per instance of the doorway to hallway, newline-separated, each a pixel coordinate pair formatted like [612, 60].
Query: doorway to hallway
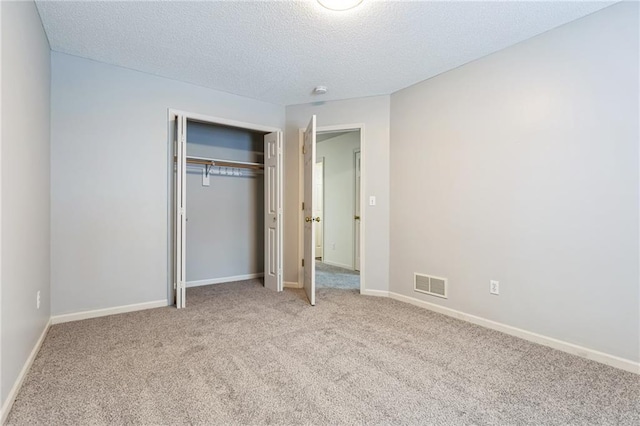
[336, 204]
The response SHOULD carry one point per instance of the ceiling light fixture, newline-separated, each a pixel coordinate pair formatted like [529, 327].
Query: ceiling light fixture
[339, 5]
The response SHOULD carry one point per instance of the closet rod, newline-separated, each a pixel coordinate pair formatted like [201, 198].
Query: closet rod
[224, 163]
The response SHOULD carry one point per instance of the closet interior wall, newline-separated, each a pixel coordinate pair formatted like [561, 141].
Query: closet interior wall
[225, 220]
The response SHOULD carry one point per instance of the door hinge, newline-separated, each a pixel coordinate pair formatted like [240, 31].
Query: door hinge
[303, 206]
[174, 285]
[302, 262]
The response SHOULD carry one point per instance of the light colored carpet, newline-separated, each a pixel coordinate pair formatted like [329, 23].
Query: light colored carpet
[336, 277]
[241, 354]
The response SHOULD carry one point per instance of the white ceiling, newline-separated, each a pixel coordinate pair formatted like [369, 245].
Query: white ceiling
[278, 51]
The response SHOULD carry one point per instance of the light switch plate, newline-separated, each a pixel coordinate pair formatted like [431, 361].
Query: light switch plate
[372, 200]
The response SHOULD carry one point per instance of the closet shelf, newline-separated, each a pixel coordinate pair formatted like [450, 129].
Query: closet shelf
[223, 163]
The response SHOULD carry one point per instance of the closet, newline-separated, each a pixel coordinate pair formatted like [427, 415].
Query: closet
[227, 209]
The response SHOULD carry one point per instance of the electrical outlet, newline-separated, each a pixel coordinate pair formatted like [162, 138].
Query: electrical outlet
[38, 299]
[494, 287]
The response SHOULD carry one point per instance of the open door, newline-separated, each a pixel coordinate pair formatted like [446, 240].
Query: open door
[273, 211]
[309, 152]
[179, 283]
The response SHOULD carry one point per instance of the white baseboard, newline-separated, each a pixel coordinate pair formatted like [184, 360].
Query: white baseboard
[199, 283]
[611, 360]
[77, 316]
[339, 265]
[13, 393]
[377, 293]
[291, 284]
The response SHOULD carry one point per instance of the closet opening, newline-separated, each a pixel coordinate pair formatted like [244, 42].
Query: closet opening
[227, 203]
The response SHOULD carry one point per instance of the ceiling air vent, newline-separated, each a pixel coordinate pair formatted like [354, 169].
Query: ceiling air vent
[428, 284]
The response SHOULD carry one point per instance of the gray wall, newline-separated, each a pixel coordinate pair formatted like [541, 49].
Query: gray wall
[225, 220]
[339, 198]
[109, 178]
[373, 112]
[522, 167]
[25, 186]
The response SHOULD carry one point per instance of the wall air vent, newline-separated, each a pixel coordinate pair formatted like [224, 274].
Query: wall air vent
[428, 284]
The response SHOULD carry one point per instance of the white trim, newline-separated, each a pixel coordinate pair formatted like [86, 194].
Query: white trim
[340, 128]
[5, 405]
[2, 404]
[77, 316]
[339, 265]
[292, 284]
[611, 360]
[320, 160]
[300, 253]
[194, 116]
[356, 245]
[13, 393]
[376, 293]
[234, 278]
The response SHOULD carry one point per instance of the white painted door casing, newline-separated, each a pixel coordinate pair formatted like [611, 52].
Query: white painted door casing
[357, 213]
[318, 206]
[180, 210]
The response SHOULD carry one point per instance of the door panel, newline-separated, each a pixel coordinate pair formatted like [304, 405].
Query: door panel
[180, 210]
[273, 211]
[309, 152]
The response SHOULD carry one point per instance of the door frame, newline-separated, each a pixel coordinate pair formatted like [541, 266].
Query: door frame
[322, 196]
[324, 129]
[356, 243]
[210, 119]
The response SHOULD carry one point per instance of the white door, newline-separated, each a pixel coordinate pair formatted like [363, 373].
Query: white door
[309, 152]
[318, 207]
[273, 211]
[356, 217]
[179, 283]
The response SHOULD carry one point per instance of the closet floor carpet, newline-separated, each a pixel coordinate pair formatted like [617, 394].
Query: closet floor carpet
[241, 354]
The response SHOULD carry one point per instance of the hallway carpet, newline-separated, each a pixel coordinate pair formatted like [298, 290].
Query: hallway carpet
[241, 354]
[336, 277]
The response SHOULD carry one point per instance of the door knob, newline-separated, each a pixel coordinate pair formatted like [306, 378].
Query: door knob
[307, 219]
[357, 217]
[317, 219]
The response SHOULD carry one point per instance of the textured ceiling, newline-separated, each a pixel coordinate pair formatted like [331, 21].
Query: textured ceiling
[278, 51]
